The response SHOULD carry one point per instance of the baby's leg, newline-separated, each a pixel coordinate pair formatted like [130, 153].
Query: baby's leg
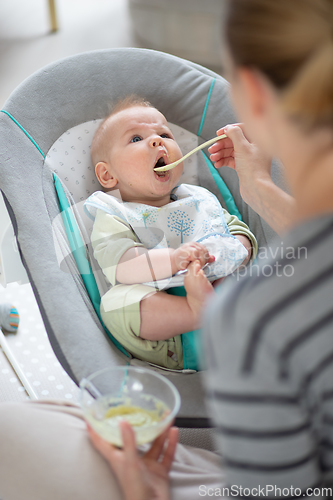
[163, 316]
[197, 287]
[218, 282]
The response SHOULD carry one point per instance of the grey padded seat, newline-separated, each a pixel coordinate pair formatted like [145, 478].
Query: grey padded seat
[69, 92]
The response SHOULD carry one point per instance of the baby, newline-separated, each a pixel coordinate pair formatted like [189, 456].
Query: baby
[146, 230]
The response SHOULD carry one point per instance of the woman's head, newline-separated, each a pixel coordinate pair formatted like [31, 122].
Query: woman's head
[290, 42]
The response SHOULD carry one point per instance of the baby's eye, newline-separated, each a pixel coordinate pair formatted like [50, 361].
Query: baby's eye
[165, 136]
[136, 138]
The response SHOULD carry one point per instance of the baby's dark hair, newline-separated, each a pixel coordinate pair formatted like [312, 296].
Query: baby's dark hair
[129, 102]
[98, 141]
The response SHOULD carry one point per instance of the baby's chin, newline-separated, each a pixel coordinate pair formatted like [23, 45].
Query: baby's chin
[157, 191]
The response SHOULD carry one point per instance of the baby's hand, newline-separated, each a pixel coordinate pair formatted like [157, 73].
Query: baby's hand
[189, 252]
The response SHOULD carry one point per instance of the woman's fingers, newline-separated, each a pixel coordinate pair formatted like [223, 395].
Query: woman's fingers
[110, 452]
[157, 447]
[223, 129]
[171, 437]
[235, 133]
[223, 144]
[225, 162]
[170, 451]
[227, 143]
[221, 153]
[129, 443]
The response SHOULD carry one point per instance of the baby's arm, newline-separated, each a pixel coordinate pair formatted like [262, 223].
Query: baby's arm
[245, 241]
[242, 232]
[124, 259]
[139, 265]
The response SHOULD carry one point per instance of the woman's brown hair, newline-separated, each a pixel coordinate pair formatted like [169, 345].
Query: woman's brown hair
[291, 42]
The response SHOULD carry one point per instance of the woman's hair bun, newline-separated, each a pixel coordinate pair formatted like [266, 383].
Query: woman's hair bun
[309, 97]
[291, 42]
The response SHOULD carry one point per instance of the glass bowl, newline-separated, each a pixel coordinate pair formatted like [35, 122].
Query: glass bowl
[146, 399]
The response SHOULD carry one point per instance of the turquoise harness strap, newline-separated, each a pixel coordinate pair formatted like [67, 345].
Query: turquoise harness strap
[224, 190]
[222, 187]
[78, 249]
[206, 106]
[191, 340]
[23, 130]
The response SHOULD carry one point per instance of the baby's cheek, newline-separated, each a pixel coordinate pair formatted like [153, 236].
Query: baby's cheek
[136, 173]
[180, 170]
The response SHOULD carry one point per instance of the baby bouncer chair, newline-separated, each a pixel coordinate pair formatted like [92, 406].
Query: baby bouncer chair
[46, 128]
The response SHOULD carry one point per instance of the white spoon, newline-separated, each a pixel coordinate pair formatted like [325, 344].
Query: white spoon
[175, 163]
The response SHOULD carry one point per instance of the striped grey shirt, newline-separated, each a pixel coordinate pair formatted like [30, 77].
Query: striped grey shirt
[269, 349]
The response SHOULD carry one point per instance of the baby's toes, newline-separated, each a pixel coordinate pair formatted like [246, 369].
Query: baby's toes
[194, 268]
[195, 280]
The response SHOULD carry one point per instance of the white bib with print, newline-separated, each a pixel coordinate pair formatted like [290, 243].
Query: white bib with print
[194, 215]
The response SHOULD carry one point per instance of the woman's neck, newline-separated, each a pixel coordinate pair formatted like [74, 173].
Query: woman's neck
[315, 195]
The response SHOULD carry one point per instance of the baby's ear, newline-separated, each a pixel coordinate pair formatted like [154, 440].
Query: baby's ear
[104, 175]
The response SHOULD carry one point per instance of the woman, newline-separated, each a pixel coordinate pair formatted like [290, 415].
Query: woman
[269, 337]
[273, 356]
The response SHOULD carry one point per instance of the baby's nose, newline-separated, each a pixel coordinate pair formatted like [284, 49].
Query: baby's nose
[156, 141]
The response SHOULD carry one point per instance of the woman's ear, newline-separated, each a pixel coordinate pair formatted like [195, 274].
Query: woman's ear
[258, 106]
[256, 88]
[104, 175]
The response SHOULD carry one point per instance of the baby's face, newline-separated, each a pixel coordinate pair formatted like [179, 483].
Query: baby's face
[139, 138]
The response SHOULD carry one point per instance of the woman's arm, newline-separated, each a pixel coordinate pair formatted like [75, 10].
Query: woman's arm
[273, 204]
[253, 167]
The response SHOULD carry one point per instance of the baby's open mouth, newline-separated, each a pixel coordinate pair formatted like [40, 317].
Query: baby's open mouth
[160, 163]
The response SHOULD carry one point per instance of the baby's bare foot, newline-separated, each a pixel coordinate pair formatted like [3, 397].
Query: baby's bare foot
[197, 287]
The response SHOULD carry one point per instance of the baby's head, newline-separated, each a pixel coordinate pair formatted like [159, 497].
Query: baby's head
[126, 148]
